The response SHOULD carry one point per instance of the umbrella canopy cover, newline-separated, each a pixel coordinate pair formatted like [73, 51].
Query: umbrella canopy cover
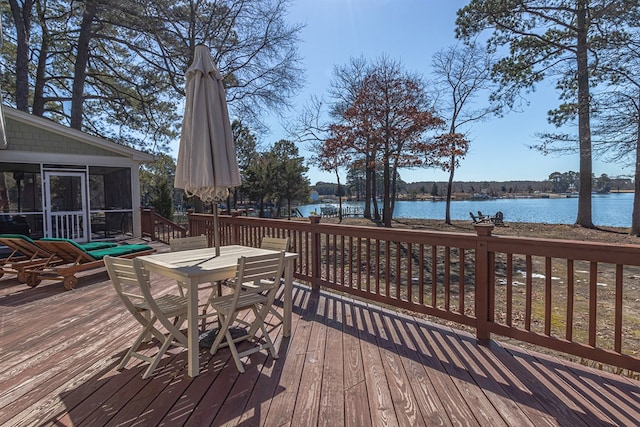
[207, 166]
[3, 135]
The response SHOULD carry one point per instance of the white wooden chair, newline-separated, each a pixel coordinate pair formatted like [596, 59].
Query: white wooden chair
[196, 242]
[131, 283]
[275, 244]
[254, 289]
[186, 243]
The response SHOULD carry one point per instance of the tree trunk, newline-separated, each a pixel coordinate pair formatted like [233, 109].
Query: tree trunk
[368, 189]
[339, 198]
[37, 109]
[447, 210]
[394, 176]
[635, 215]
[22, 20]
[386, 196]
[374, 194]
[584, 130]
[82, 59]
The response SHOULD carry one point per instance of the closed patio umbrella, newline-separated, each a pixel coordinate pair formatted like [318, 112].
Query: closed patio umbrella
[207, 166]
[3, 135]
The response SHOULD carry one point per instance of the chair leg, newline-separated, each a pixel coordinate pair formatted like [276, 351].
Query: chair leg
[234, 352]
[265, 333]
[156, 359]
[136, 345]
[225, 322]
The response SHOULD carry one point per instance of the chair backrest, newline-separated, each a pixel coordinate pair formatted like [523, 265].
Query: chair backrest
[275, 243]
[260, 271]
[67, 250]
[131, 282]
[186, 243]
[24, 245]
[127, 279]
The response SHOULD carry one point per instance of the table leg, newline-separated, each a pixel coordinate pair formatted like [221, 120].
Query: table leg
[192, 333]
[288, 297]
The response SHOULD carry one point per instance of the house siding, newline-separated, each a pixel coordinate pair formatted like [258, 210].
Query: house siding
[23, 137]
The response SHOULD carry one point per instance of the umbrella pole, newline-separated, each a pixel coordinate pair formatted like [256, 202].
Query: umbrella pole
[216, 230]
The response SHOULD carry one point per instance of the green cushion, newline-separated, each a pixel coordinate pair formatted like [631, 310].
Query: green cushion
[119, 250]
[94, 246]
[90, 246]
[58, 239]
[17, 236]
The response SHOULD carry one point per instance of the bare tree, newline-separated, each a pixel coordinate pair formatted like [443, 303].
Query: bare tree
[391, 112]
[461, 74]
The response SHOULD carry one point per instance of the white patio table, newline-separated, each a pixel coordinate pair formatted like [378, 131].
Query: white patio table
[203, 266]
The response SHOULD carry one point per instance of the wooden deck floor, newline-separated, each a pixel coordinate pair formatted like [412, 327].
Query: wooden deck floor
[347, 363]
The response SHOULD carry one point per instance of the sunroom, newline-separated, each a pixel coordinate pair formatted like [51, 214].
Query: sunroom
[65, 183]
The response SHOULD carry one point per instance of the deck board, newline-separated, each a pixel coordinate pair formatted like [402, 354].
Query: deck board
[346, 363]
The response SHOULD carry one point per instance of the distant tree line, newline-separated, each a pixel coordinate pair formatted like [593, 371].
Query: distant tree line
[566, 182]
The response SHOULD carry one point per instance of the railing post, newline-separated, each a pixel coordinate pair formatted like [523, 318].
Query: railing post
[483, 286]
[144, 222]
[152, 215]
[315, 252]
[190, 224]
[235, 227]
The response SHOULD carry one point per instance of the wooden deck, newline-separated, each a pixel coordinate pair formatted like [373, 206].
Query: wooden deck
[347, 363]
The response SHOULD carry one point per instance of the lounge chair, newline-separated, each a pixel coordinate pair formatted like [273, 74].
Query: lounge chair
[76, 259]
[26, 253]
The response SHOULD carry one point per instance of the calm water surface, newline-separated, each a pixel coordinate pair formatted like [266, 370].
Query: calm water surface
[608, 209]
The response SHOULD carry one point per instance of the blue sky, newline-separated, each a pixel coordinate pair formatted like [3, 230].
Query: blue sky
[411, 31]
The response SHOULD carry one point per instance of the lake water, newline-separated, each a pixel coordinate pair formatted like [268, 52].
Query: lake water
[607, 209]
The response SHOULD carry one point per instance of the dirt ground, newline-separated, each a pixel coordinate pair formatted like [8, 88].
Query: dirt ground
[606, 296]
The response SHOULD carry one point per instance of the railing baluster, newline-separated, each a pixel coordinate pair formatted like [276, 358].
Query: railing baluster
[421, 275]
[409, 270]
[570, 293]
[387, 268]
[593, 302]
[447, 277]
[461, 282]
[368, 266]
[509, 286]
[377, 265]
[434, 275]
[528, 293]
[617, 346]
[359, 263]
[398, 274]
[335, 258]
[547, 296]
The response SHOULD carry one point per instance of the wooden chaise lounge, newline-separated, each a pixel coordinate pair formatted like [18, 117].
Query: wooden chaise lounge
[26, 253]
[75, 258]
